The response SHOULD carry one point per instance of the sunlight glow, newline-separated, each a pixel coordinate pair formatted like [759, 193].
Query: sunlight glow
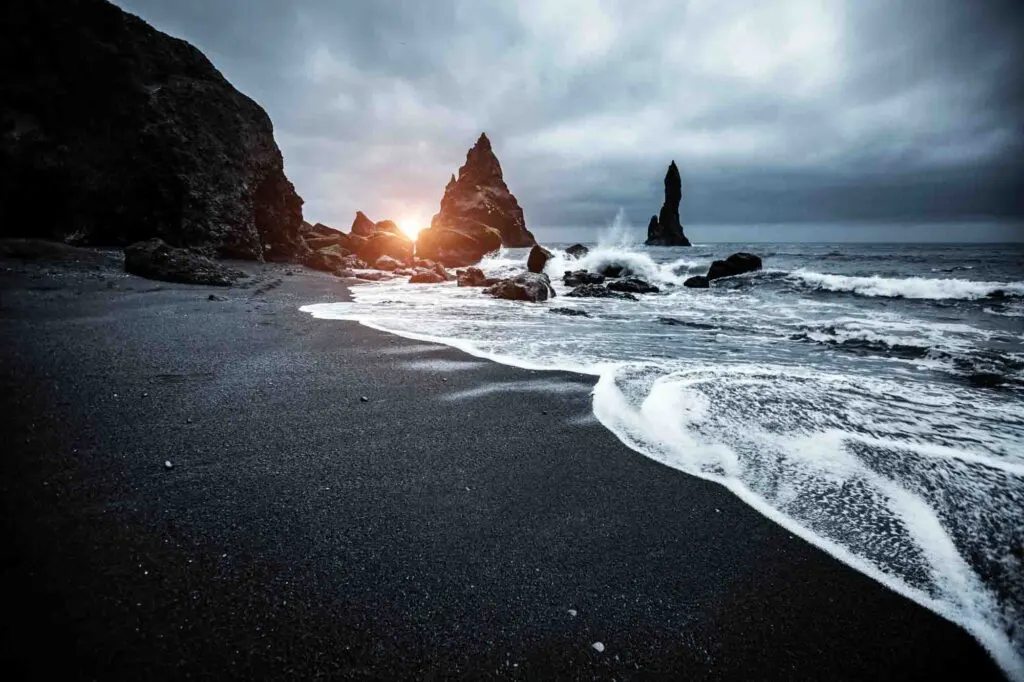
[411, 226]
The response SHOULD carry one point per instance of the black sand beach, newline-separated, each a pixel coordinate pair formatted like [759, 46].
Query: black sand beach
[444, 528]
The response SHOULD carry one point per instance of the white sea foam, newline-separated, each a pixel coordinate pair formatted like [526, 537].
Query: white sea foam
[908, 287]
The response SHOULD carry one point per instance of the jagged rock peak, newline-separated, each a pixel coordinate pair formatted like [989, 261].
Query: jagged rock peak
[478, 213]
[665, 229]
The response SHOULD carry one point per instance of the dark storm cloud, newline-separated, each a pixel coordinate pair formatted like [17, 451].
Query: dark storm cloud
[782, 111]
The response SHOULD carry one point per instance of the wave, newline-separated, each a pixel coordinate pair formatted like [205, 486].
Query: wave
[908, 287]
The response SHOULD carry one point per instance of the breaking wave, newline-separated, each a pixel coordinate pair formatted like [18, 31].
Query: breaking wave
[908, 287]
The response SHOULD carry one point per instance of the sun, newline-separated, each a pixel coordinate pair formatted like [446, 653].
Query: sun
[411, 226]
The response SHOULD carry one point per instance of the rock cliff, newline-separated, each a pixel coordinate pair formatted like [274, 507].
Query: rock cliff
[112, 132]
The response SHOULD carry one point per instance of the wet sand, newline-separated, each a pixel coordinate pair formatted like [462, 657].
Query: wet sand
[443, 528]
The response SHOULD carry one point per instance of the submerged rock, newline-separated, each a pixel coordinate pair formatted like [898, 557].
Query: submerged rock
[473, 204]
[474, 277]
[538, 258]
[633, 285]
[697, 282]
[154, 259]
[577, 251]
[113, 132]
[570, 312]
[577, 277]
[665, 228]
[599, 291]
[736, 264]
[528, 286]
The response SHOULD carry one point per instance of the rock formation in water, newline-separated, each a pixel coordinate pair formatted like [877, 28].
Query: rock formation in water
[112, 132]
[478, 213]
[527, 286]
[665, 228]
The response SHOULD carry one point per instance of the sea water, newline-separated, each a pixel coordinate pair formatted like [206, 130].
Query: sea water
[867, 397]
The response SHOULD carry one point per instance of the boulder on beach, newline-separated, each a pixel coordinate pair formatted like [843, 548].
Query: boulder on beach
[307, 231]
[665, 228]
[374, 276]
[575, 278]
[387, 263]
[327, 259]
[599, 291]
[577, 251]
[354, 263]
[455, 248]
[697, 282]
[380, 243]
[155, 259]
[337, 239]
[538, 258]
[426, 277]
[528, 286]
[114, 132]
[474, 203]
[736, 264]
[632, 285]
[362, 225]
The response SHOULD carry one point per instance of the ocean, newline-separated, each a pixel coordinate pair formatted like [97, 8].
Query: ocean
[867, 397]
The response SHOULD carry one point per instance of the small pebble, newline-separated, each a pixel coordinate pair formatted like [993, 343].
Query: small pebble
[188, 420]
[168, 465]
[364, 399]
[598, 647]
[572, 612]
[145, 395]
[544, 412]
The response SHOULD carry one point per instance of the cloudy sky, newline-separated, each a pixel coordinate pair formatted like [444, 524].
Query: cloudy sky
[786, 111]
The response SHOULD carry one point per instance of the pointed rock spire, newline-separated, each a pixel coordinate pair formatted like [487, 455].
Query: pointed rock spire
[478, 212]
[665, 229]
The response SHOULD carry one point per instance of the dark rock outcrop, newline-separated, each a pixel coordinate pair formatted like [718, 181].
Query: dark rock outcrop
[697, 282]
[633, 285]
[538, 258]
[362, 225]
[599, 291]
[736, 264]
[474, 203]
[578, 277]
[155, 259]
[577, 251]
[112, 132]
[665, 228]
[528, 286]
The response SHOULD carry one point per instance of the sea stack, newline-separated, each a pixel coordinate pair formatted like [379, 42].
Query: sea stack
[478, 213]
[665, 228]
[112, 132]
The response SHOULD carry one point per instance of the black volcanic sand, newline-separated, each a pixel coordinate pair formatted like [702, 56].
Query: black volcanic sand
[443, 528]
